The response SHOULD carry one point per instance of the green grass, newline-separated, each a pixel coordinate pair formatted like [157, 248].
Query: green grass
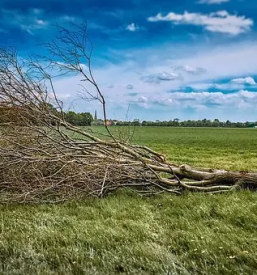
[233, 149]
[124, 233]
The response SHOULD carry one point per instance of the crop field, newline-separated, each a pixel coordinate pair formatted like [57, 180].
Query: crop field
[129, 234]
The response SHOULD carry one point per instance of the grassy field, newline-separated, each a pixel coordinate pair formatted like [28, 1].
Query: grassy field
[124, 233]
[233, 149]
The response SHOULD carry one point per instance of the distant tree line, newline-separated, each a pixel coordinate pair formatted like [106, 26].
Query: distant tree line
[189, 123]
[14, 115]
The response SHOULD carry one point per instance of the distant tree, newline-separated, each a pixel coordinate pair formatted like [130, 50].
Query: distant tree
[216, 122]
[87, 118]
[144, 123]
[228, 123]
[79, 119]
[136, 122]
[175, 122]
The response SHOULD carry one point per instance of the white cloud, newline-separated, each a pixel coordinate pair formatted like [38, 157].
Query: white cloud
[247, 80]
[240, 100]
[228, 61]
[27, 22]
[213, 1]
[220, 21]
[37, 11]
[248, 95]
[68, 18]
[201, 86]
[142, 99]
[129, 87]
[41, 22]
[191, 69]
[232, 85]
[159, 77]
[132, 27]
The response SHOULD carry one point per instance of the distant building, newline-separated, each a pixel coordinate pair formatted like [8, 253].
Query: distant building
[98, 122]
[108, 122]
[95, 117]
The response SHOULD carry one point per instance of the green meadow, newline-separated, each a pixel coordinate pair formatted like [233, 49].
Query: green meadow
[129, 234]
[232, 149]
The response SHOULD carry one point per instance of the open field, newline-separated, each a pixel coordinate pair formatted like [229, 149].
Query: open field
[124, 233]
[232, 149]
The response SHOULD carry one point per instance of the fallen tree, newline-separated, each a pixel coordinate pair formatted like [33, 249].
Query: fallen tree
[46, 159]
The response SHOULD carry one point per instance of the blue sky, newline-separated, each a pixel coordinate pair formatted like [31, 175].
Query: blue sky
[190, 59]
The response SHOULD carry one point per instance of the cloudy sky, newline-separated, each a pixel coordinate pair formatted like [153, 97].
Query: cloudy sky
[165, 59]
